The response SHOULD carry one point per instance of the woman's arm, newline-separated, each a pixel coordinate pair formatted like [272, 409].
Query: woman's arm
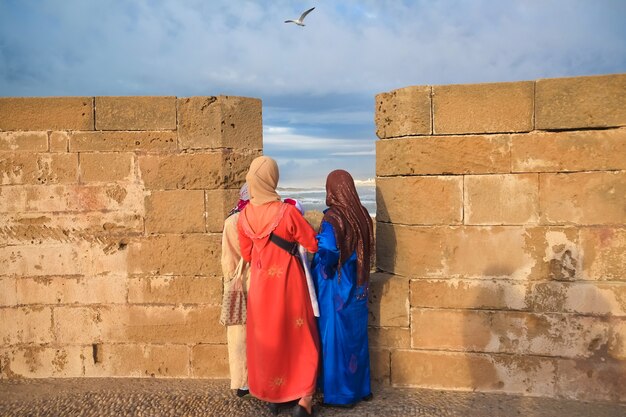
[231, 253]
[245, 243]
[327, 256]
[302, 230]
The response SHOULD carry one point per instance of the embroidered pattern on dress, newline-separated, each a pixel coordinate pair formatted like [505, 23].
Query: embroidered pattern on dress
[278, 381]
[275, 271]
[299, 322]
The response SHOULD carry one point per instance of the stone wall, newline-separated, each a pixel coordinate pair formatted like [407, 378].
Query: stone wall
[111, 211]
[501, 234]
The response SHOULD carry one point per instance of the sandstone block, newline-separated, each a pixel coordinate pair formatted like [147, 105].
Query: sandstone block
[46, 113]
[221, 169]
[42, 362]
[581, 102]
[163, 324]
[175, 290]
[420, 200]
[388, 300]
[81, 324]
[127, 141]
[583, 198]
[459, 330]
[108, 228]
[21, 325]
[175, 211]
[191, 254]
[501, 199]
[596, 299]
[8, 292]
[23, 141]
[127, 360]
[135, 113]
[462, 252]
[470, 294]
[475, 372]
[71, 198]
[404, 112]
[109, 289]
[617, 340]
[604, 251]
[59, 142]
[589, 150]
[443, 155]
[380, 368]
[63, 259]
[209, 361]
[218, 204]
[220, 122]
[38, 168]
[389, 337]
[106, 167]
[591, 380]
[483, 108]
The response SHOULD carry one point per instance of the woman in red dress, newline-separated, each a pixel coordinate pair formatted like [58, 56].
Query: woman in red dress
[282, 338]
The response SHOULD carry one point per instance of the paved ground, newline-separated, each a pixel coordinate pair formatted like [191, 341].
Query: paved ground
[172, 397]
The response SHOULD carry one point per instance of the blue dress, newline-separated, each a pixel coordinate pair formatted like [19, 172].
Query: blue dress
[345, 373]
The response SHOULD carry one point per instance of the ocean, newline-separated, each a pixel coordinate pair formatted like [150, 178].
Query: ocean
[314, 198]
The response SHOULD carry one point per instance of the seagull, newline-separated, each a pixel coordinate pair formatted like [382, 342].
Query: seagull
[300, 20]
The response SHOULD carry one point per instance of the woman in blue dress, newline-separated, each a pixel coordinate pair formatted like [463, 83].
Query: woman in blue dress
[341, 270]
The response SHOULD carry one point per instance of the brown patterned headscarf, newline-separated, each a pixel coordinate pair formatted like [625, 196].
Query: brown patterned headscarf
[351, 221]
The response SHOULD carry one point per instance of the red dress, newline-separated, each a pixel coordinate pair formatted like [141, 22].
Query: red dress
[282, 339]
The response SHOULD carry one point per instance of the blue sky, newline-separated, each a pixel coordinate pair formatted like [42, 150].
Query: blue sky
[318, 82]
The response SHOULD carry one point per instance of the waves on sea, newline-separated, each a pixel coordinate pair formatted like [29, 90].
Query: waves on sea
[315, 198]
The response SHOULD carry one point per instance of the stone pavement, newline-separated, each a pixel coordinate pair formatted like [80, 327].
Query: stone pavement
[176, 397]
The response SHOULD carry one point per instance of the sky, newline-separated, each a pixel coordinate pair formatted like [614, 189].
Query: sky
[317, 83]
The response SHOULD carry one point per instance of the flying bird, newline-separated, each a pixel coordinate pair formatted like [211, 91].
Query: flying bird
[300, 20]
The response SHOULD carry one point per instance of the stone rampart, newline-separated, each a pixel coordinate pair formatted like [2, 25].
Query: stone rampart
[501, 231]
[111, 212]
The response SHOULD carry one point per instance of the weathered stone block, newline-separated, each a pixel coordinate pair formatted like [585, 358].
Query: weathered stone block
[404, 112]
[471, 294]
[59, 142]
[578, 297]
[175, 290]
[604, 250]
[501, 199]
[581, 102]
[62, 259]
[443, 155]
[192, 254]
[209, 361]
[589, 150]
[388, 300]
[21, 325]
[109, 289]
[163, 324]
[460, 330]
[469, 252]
[420, 200]
[591, 380]
[135, 113]
[126, 360]
[107, 167]
[476, 372]
[584, 198]
[483, 108]
[38, 168]
[8, 292]
[42, 362]
[617, 340]
[175, 211]
[23, 141]
[220, 122]
[71, 198]
[221, 169]
[218, 204]
[49, 113]
[151, 142]
[380, 365]
[81, 324]
[389, 337]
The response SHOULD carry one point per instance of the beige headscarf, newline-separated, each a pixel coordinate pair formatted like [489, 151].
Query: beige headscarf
[262, 179]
